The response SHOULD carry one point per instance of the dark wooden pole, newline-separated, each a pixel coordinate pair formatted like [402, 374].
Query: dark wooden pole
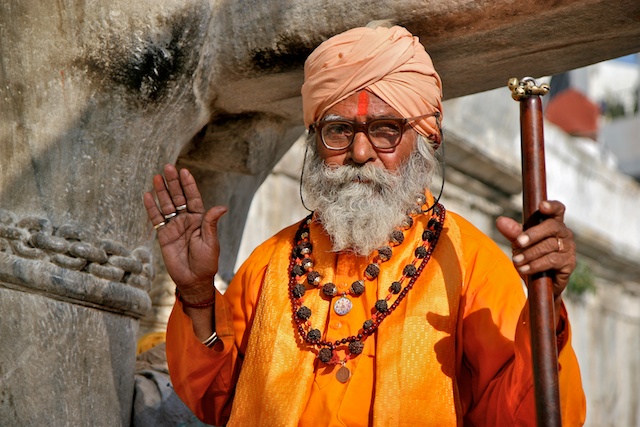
[541, 300]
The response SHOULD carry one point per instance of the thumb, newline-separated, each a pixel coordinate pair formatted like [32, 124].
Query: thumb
[210, 221]
[509, 228]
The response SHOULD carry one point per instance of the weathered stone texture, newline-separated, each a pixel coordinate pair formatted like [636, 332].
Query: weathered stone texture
[87, 95]
[62, 364]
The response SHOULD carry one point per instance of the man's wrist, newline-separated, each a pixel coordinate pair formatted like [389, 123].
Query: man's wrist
[205, 298]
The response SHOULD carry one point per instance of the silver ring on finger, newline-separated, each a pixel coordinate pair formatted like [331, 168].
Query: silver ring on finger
[560, 245]
[171, 215]
[181, 208]
[159, 225]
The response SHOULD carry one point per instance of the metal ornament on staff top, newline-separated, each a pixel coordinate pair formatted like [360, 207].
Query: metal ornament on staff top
[521, 89]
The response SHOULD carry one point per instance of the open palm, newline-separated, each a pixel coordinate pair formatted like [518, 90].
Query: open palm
[186, 234]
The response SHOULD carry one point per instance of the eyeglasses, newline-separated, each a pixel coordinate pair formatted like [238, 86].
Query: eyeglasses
[384, 133]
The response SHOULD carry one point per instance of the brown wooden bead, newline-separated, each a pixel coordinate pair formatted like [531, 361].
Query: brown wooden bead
[381, 305]
[384, 253]
[325, 355]
[372, 271]
[395, 287]
[407, 222]
[313, 278]
[299, 290]
[428, 235]
[302, 234]
[357, 288]
[304, 313]
[329, 289]
[420, 252]
[314, 334]
[397, 237]
[297, 270]
[409, 270]
[356, 347]
[302, 249]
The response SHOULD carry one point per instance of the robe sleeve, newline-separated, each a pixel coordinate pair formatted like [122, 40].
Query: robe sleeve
[205, 378]
[495, 376]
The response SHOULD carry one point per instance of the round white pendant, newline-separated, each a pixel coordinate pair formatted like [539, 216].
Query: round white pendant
[342, 306]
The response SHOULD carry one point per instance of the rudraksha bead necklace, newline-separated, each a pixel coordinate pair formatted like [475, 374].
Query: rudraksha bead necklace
[301, 265]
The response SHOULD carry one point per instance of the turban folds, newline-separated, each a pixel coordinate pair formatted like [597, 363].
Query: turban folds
[389, 62]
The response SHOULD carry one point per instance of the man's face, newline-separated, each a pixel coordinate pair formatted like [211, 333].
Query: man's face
[361, 194]
[364, 106]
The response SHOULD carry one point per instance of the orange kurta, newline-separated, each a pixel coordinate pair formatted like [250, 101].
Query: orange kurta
[455, 351]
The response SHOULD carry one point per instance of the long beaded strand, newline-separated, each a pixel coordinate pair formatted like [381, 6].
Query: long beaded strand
[301, 264]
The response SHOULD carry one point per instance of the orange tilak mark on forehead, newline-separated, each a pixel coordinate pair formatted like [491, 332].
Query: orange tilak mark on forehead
[363, 103]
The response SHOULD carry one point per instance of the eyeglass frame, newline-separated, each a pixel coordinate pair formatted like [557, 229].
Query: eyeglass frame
[364, 128]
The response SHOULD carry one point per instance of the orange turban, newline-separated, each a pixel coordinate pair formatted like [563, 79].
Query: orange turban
[389, 62]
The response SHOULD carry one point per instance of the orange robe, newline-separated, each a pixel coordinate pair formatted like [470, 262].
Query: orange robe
[455, 352]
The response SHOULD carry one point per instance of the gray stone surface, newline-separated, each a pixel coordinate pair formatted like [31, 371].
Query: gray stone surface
[63, 364]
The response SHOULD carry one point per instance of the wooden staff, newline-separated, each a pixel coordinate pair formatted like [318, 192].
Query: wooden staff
[541, 300]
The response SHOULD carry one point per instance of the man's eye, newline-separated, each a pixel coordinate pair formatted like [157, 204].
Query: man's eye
[385, 128]
[338, 129]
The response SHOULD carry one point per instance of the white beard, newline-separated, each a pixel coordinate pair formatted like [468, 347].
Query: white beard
[359, 206]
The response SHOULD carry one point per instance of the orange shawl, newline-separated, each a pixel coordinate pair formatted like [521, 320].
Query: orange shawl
[415, 352]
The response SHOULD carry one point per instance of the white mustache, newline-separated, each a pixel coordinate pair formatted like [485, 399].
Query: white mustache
[367, 174]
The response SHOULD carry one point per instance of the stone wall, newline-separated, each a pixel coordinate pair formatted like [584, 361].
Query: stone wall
[64, 361]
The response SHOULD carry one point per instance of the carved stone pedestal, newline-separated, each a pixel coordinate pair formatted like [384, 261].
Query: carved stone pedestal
[69, 306]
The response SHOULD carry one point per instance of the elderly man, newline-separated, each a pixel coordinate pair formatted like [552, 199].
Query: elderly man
[380, 308]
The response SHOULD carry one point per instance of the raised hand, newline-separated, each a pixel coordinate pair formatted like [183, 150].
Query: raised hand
[186, 233]
[548, 246]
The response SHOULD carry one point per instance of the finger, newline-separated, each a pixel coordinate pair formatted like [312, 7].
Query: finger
[538, 233]
[154, 214]
[509, 228]
[210, 222]
[173, 185]
[552, 209]
[552, 225]
[561, 264]
[164, 199]
[192, 194]
[527, 256]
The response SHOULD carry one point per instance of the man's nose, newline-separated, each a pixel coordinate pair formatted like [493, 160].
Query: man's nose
[362, 150]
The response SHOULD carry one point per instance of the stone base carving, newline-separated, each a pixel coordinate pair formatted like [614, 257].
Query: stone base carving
[70, 306]
[67, 264]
